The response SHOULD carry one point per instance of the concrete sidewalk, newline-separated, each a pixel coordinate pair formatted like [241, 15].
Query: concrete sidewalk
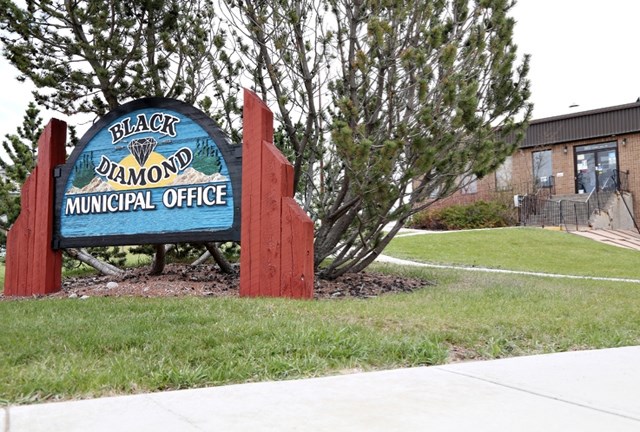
[403, 262]
[576, 391]
[622, 238]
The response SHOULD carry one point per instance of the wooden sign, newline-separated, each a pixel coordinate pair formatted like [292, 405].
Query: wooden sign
[160, 171]
[154, 170]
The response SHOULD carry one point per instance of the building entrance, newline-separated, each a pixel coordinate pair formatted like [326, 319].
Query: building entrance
[596, 167]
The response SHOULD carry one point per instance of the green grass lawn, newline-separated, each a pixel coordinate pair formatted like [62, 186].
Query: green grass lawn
[528, 249]
[60, 348]
[64, 348]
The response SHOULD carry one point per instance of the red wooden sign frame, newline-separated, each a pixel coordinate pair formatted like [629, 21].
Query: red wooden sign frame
[276, 258]
[32, 266]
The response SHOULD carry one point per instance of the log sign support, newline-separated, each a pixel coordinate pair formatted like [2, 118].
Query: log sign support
[276, 258]
[32, 266]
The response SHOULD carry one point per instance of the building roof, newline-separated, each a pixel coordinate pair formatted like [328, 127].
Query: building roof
[599, 123]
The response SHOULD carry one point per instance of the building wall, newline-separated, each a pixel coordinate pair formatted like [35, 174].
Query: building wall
[563, 165]
[485, 191]
[563, 170]
[629, 159]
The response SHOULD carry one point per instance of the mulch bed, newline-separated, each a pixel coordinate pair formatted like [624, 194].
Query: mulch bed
[206, 280]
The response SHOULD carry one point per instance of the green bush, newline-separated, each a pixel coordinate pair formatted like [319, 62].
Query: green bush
[481, 214]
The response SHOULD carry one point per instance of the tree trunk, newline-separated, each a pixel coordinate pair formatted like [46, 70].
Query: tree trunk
[202, 258]
[224, 265]
[157, 266]
[103, 267]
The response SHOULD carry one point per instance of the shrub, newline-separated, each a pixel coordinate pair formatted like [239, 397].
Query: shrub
[481, 214]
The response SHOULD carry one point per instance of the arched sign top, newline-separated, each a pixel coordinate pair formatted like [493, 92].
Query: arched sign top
[154, 170]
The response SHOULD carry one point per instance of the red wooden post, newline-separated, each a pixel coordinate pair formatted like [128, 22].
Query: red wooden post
[32, 266]
[257, 127]
[275, 173]
[277, 235]
[26, 283]
[297, 262]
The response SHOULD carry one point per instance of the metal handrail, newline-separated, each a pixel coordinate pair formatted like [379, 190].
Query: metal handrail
[621, 179]
[622, 185]
[553, 212]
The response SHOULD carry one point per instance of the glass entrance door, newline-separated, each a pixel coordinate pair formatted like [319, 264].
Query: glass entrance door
[585, 172]
[606, 170]
[596, 167]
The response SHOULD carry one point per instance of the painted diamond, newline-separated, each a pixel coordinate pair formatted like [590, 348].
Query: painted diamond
[142, 148]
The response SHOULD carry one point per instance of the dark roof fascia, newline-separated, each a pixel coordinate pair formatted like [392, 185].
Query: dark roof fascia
[557, 121]
[585, 113]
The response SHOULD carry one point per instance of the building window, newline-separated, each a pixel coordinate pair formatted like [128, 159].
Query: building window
[503, 175]
[542, 168]
[470, 185]
[435, 193]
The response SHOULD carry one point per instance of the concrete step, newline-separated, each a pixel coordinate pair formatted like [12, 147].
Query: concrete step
[571, 197]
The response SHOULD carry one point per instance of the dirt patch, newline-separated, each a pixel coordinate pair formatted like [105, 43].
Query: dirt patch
[205, 280]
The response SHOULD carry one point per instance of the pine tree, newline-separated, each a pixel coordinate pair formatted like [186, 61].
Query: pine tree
[92, 56]
[384, 104]
[21, 149]
[380, 105]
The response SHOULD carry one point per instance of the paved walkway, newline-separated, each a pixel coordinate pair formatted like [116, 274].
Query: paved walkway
[622, 238]
[576, 391]
[399, 261]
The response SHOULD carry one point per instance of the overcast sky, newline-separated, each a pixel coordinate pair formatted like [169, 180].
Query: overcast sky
[583, 52]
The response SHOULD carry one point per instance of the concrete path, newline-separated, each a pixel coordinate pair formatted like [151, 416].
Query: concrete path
[576, 391]
[622, 238]
[399, 261]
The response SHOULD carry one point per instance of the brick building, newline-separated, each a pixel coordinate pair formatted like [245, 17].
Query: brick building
[568, 156]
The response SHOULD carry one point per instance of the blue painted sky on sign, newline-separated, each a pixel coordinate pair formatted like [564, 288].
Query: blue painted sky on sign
[184, 184]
